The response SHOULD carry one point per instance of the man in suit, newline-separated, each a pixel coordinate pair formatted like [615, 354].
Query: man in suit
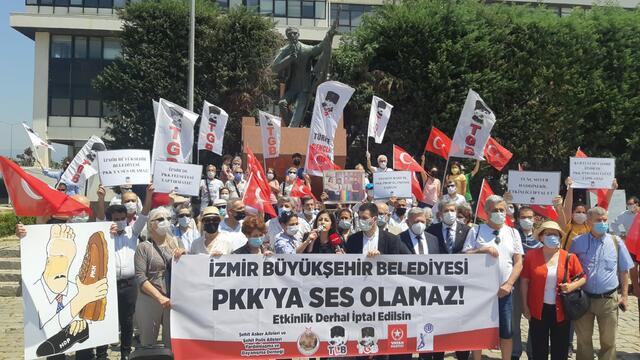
[371, 240]
[415, 238]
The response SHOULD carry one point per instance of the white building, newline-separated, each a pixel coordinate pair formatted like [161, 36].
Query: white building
[75, 39]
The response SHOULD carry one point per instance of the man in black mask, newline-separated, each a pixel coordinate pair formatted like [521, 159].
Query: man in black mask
[211, 242]
[232, 223]
[296, 160]
[399, 216]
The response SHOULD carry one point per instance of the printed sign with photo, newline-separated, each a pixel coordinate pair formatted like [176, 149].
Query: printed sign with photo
[344, 186]
[124, 167]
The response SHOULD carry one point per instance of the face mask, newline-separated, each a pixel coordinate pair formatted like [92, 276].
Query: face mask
[401, 211]
[211, 175]
[283, 210]
[461, 220]
[383, 164]
[211, 227]
[237, 177]
[270, 176]
[526, 224]
[222, 211]
[344, 224]
[579, 218]
[121, 225]
[498, 218]
[255, 241]
[240, 216]
[551, 241]
[449, 217]
[184, 221]
[451, 190]
[601, 227]
[292, 230]
[308, 212]
[224, 196]
[382, 220]
[364, 225]
[291, 176]
[418, 228]
[370, 193]
[79, 219]
[163, 227]
[632, 207]
[132, 207]
[455, 171]
[296, 162]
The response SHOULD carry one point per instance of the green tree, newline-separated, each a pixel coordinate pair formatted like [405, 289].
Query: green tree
[554, 83]
[232, 55]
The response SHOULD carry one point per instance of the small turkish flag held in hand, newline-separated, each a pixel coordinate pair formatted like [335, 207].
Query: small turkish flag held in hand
[438, 143]
[403, 161]
[497, 155]
[300, 189]
[256, 198]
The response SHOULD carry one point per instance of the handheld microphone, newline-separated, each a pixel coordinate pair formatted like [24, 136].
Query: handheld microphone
[335, 241]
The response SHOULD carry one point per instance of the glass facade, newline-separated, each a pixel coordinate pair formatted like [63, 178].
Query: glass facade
[301, 9]
[74, 62]
[350, 15]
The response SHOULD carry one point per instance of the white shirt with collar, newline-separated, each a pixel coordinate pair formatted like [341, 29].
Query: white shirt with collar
[395, 221]
[458, 199]
[416, 240]
[126, 243]
[51, 321]
[370, 243]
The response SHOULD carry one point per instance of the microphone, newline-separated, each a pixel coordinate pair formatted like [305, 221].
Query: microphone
[335, 241]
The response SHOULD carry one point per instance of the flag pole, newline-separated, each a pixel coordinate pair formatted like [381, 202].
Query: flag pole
[444, 173]
[475, 215]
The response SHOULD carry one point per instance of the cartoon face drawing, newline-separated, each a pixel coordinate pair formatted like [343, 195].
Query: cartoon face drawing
[481, 112]
[329, 103]
[214, 115]
[338, 337]
[176, 117]
[380, 109]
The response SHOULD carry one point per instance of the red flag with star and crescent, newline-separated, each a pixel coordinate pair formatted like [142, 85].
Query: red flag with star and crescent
[416, 190]
[259, 200]
[438, 143]
[403, 161]
[300, 189]
[31, 196]
[318, 160]
[497, 155]
[600, 193]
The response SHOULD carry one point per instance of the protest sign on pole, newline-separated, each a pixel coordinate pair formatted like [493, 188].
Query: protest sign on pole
[291, 306]
[331, 98]
[184, 179]
[69, 288]
[392, 183]
[592, 173]
[35, 139]
[534, 187]
[212, 126]
[474, 128]
[124, 167]
[378, 119]
[344, 186]
[84, 164]
[270, 130]
[173, 136]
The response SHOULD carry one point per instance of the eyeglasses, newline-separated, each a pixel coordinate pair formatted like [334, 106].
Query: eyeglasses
[496, 233]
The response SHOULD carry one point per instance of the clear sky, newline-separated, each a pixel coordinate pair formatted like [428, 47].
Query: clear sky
[16, 83]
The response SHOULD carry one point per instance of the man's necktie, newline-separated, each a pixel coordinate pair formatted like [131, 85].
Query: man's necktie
[450, 240]
[420, 245]
[59, 306]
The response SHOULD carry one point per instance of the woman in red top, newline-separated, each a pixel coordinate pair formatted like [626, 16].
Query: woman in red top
[541, 286]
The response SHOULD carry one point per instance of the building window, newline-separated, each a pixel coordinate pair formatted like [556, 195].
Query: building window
[223, 4]
[305, 9]
[350, 15]
[61, 46]
[112, 48]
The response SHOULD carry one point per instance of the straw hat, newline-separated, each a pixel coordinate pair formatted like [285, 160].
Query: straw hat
[548, 225]
[210, 211]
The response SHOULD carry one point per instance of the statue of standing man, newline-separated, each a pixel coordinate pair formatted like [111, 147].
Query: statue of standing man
[302, 68]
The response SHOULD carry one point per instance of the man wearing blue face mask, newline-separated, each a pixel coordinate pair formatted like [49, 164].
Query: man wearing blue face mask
[606, 262]
[236, 185]
[503, 242]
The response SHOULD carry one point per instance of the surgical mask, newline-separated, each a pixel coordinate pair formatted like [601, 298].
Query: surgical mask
[632, 207]
[222, 211]
[163, 227]
[364, 225]
[132, 207]
[224, 196]
[309, 212]
[121, 225]
[418, 228]
[292, 176]
[344, 224]
[184, 221]
[383, 164]
[211, 174]
[401, 211]
[79, 219]
[579, 218]
[237, 177]
[526, 224]
[551, 241]
[240, 216]
[382, 220]
[292, 230]
[211, 227]
[270, 176]
[498, 218]
[601, 227]
[510, 210]
[296, 162]
[451, 190]
[255, 241]
[449, 217]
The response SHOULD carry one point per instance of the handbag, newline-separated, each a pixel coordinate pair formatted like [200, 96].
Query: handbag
[576, 303]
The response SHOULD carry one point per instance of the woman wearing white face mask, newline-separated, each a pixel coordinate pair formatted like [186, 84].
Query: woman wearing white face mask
[274, 185]
[286, 242]
[290, 180]
[184, 229]
[209, 188]
[543, 280]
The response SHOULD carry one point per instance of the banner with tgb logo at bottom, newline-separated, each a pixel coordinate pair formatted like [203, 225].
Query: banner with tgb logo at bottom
[288, 306]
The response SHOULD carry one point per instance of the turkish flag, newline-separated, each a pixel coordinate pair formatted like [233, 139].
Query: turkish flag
[485, 192]
[633, 237]
[403, 161]
[256, 198]
[416, 190]
[255, 168]
[438, 143]
[497, 155]
[318, 160]
[33, 197]
[300, 189]
[547, 211]
[600, 193]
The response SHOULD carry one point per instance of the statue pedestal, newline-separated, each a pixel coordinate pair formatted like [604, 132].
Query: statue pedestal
[293, 140]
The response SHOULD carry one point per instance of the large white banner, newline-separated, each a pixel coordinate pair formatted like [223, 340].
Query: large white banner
[35, 139]
[474, 128]
[173, 137]
[124, 167]
[212, 126]
[592, 173]
[270, 129]
[291, 306]
[392, 183]
[379, 118]
[184, 179]
[68, 288]
[331, 98]
[534, 187]
[85, 163]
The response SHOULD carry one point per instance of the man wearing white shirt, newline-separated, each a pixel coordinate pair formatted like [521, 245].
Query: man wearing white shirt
[233, 222]
[451, 195]
[399, 217]
[503, 242]
[209, 188]
[622, 223]
[382, 164]
[371, 240]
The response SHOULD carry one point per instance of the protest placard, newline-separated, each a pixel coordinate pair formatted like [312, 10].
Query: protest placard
[124, 167]
[170, 176]
[392, 183]
[63, 270]
[321, 305]
[592, 173]
[344, 186]
[534, 187]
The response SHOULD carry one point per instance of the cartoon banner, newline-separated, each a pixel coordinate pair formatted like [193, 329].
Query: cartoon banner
[184, 179]
[344, 186]
[270, 130]
[292, 306]
[378, 118]
[173, 136]
[69, 288]
[592, 173]
[124, 167]
[474, 128]
[212, 126]
[392, 183]
[534, 187]
[84, 164]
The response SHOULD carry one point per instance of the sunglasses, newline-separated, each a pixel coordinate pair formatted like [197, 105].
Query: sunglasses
[292, 172]
[183, 215]
[212, 220]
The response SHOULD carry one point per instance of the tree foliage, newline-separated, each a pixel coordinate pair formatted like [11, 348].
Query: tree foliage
[233, 51]
[554, 83]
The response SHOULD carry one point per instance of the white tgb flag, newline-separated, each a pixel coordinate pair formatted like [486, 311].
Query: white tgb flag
[331, 98]
[36, 140]
[212, 126]
[474, 128]
[173, 137]
[84, 164]
[378, 118]
[270, 128]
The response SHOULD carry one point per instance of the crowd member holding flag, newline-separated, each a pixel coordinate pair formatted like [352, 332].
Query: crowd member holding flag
[461, 179]
[274, 185]
[57, 175]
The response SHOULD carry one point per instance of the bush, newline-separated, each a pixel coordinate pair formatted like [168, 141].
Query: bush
[8, 221]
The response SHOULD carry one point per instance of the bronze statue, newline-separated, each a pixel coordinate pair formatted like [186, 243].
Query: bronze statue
[301, 68]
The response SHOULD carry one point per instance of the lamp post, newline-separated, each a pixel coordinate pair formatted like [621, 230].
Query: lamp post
[192, 35]
[10, 137]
